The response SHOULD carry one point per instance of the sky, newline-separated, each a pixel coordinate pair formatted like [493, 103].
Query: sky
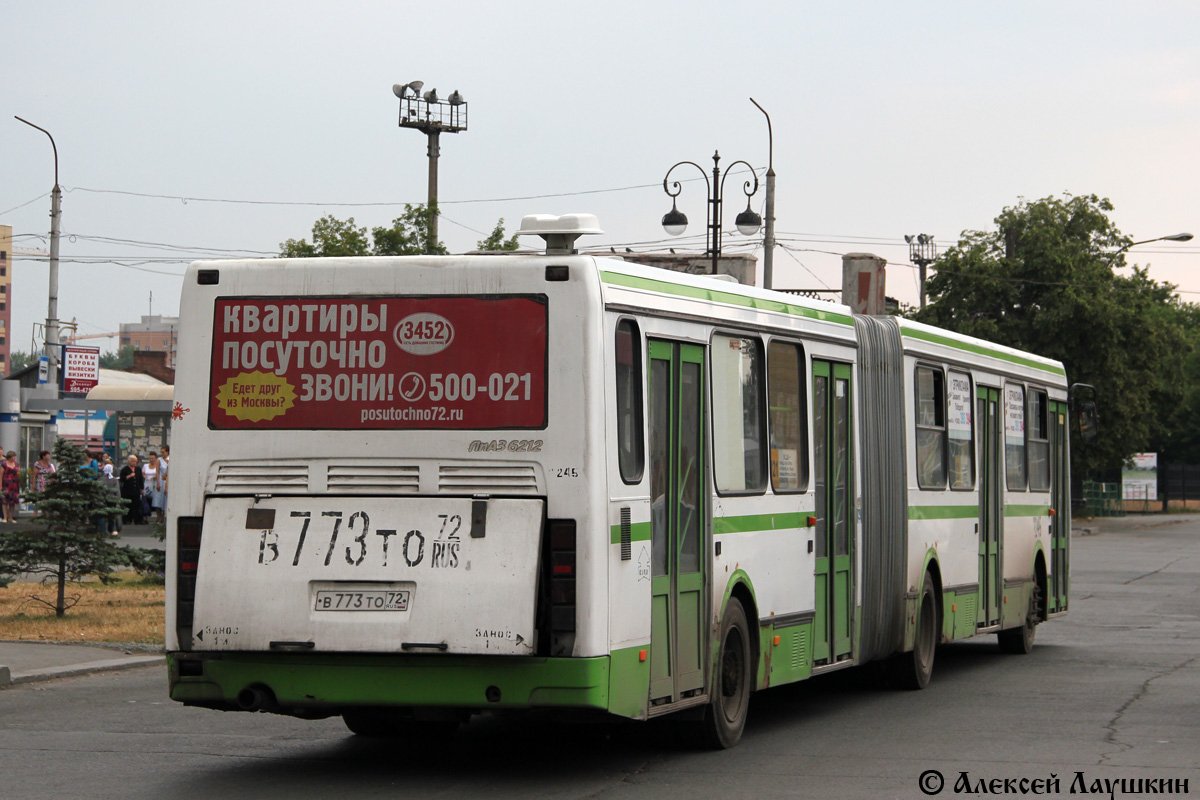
[221, 129]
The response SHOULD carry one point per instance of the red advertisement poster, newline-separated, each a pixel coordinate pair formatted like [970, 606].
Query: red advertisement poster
[378, 362]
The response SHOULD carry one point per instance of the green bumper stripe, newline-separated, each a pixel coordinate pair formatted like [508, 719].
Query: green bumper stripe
[943, 512]
[981, 350]
[718, 296]
[302, 680]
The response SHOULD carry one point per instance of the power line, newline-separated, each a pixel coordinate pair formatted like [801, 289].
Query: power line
[190, 199]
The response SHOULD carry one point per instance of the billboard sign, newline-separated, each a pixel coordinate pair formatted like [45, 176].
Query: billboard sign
[80, 369]
[1139, 479]
[394, 363]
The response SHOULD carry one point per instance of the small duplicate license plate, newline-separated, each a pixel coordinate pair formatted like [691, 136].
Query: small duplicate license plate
[366, 600]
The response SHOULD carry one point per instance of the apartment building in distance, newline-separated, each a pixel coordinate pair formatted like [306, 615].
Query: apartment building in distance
[6, 251]
[154, 334]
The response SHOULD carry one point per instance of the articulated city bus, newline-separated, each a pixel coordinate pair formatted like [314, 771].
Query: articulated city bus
[408, 490]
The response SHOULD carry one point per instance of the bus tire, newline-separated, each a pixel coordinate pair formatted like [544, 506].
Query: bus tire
[1019, 641]
[725, 716]
[384, 723]
[913, 670]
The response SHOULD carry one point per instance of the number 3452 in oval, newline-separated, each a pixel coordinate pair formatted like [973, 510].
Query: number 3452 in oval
[423, 334]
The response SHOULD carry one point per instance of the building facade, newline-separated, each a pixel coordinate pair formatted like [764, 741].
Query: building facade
[153, 334]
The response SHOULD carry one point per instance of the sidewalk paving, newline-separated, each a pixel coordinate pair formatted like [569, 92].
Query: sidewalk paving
[29, 662]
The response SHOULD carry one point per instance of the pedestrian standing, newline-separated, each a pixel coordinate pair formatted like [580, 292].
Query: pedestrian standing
[11, 485]
[43, 468]
[164, 473]
[131, 489]
[152, 479]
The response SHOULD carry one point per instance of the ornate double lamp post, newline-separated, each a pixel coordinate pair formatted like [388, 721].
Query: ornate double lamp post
[674, 222]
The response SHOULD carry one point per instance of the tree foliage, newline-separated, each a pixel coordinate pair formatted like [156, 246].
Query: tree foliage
[19, 359]
[407, 236]
[122, 359]
[496, 241]
[1045, 280]
[66, 546]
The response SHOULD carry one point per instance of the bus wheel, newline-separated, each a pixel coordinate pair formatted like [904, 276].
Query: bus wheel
[385, 723]
[913, 670]
[725, 716]
[1019, 641]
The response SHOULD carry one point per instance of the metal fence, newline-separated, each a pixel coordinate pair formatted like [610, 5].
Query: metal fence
[1179, 483]
[1103, 499]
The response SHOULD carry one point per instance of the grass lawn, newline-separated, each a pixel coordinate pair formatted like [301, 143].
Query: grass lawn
[129, 609]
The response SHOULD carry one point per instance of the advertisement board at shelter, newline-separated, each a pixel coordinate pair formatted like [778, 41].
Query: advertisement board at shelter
[80, 369]
[379, 362]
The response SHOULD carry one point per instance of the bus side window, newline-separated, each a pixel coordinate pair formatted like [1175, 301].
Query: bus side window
[787, 414]
[931, 428]
[960, 430]
[1014, 437]
[630, 448]
[1039, 441]
[739, 427]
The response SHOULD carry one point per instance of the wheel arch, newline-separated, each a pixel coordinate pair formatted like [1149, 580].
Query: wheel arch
[934, 569]
[740, 586]
[1040, 580]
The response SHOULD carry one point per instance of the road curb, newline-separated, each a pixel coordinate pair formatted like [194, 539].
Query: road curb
[8, 678]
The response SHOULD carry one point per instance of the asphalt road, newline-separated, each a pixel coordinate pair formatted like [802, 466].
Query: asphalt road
[1112, 691]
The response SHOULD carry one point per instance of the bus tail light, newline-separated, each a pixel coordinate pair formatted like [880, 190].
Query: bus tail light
[561, 562]
[187, 531]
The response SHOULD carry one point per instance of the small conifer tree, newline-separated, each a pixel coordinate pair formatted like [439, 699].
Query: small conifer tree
[67, 545]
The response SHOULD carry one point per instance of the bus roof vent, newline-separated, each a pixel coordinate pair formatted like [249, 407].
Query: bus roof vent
[560, 233]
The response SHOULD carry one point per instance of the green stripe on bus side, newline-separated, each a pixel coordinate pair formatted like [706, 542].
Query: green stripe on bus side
[759, 522]
[1026, 511]
[640, 531]
[981, 350]
[970, 512]
[715, 295]
[943, 512]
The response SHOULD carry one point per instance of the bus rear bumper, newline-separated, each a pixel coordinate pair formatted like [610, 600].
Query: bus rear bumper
[313, 684]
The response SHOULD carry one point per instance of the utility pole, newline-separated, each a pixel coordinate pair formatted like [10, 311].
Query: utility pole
[51, 349]
[769, 227]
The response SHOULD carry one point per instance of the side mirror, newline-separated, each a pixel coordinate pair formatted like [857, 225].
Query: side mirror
[1089, 422]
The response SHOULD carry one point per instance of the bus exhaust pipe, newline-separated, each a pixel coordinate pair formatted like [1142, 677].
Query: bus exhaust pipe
[256, 698]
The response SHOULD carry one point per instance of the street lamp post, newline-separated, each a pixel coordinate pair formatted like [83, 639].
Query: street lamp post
[433, 117]
[1174, 237]
[674, 222]
[769, 228]
[51, 348]
[922, 252]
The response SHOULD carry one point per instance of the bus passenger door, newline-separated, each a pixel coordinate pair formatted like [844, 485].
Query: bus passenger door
[1060, 498]
[991, 475]
[677, 526]
[834, 506]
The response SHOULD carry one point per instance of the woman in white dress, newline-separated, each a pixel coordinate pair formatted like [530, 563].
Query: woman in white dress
[152, 474]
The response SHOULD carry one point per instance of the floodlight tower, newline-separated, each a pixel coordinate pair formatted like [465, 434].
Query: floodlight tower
[432, 116]
[922, 252]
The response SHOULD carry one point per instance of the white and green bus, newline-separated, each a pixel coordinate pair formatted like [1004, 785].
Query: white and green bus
[409, 490]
